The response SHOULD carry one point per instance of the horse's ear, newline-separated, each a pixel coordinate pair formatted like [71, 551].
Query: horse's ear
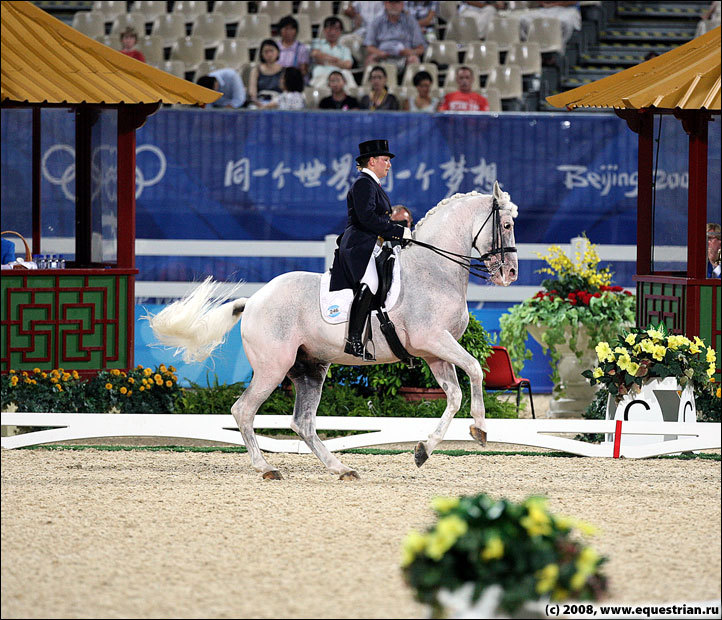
[497, 190]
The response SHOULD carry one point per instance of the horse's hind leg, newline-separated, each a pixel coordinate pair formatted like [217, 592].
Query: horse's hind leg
[445, 374]
[244, 410]
[308, 377]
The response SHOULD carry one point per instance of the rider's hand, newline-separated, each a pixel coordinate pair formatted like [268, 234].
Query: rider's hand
[406, 238]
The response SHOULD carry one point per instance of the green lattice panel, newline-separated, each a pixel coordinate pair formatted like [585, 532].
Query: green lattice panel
[74, 321]
[710, 320]
[658, 301]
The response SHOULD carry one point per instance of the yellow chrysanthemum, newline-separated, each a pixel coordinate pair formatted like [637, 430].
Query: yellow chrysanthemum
[131, 380]
[108, 386]
[36, 370]
[44, 375]
[14, 380]
[59, 387]
[130, 393]
[75, 374]
[54, 379]
[115, 372]
[444, 504]
[169, 384]
[157, 377]
[142, 388]
[66, 376]
[719, 392]
[147, 372]
[171, 368]
[162, 368]
[546, 578]
[493, 550]
[123, 390]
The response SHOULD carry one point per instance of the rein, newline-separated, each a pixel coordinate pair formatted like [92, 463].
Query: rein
[478, 270]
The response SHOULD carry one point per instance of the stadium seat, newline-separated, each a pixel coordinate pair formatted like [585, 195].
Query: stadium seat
[314, 96]
[412, 70]
[169, 27]
[507, 78]
[448, 10]
[254, 28]
[450, 82]
[493, 97]
[483, 54]
[152, 48]
[305, 32]
[547, 32]
[231, 10]
[110, 41]
[355, 44]
[211, 28]
[503, 30]
[233, 52]
[125, 20]
[110, 8]
[190, 9]
[90, 23]
[205, 67]
[150, 9]
[462, 29]
[190, 50]
[317, 10]
[527, 56]
[442, 52]
[392, 75]
[174, 67]
[275, 9]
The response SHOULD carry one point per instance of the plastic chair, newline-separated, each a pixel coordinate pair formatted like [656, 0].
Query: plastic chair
[106, 39]
[125, 20]
[152, 48]
[482, 54]
[231, 10]
[305, 31]
[191, 50]
[174, 67]
[317, 10]
[205, 67]
[254, 28]
[169, 27]
[501, 377]
[547, 32]
[507, 78]
[527, 56]
[462, 29]
[442, 52]
[448, 10]
[503, 30]
[110, 8]
[190, 9]
[90, 23]
[412, 70]
[234, 52]
[149, 9]
[493, 97]
[211, 28]
[314, 96]
[275, 9]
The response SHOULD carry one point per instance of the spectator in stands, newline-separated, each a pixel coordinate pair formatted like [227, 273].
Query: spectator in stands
[128, 41]
[424, 12]
[394, 36]
[329, 55]
[482, 13]
[423, 101]
[338, 99]
[379, 98]
[292, 52]
[228, 82]
[464, 99]
[362, 14]
[291, 97]
[714, 244]
[710, 18]
[566, 12]
[265, 78]
[402, 215]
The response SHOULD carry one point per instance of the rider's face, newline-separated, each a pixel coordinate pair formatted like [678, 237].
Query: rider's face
[380, 166]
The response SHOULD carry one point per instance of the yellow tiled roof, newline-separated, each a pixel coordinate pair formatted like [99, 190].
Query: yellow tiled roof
[47, 61]
[687, 77]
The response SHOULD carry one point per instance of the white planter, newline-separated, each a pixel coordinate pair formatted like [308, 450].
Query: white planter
[659, 400]
[457, 604]
[576, 389]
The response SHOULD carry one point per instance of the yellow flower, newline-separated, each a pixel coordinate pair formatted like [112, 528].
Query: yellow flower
[66, 376]
[448, 531]
[597, 372]
[546, 578]
[630, 338]
[625, 363]
[655, 334]
[560, 594]
[123, 390]
[169, 384]
[621, 351]
[658, 352]
[412, 545]
[171, 368]
[719, 392]
[142, 388]
[162, 368]
[130, 392]
[115, 372]
[444, 504]
[587, 560]
[33, 381]
[75, 374]
[131, 380]
[147, 372]
[60, 387]
[157, 378]
[711, 355]
[14, 380]
[578, 580]
[604, 352]
[12, 372]
[537, 522]
[54, 380]
[694, 348]
[647, 345]
[710, 370]
[44, 375]
[159, 381]
[36, 370]
[493, 550]
[108, 386]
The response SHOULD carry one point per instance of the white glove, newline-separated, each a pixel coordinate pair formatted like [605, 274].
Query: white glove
[407, 233]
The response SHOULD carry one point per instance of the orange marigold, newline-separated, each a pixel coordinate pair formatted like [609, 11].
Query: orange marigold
[169, 384]
[108, 386]
[123, 390]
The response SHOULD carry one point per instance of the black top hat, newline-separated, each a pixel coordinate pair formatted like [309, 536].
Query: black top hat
[374, 148]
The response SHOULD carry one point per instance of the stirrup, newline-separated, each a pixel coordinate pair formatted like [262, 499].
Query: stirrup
[357, 349]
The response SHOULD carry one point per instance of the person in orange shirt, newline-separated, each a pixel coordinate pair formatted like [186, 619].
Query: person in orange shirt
[464, 99]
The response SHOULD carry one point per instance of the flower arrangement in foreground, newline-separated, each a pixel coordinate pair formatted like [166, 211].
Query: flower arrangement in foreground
[577, 294]
[641, 354]
[479, 542]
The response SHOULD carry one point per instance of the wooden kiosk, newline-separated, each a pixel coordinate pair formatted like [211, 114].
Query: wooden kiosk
[81, 317]
[685, 83]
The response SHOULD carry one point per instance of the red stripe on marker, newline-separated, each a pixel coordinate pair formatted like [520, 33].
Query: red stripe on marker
[617, 438]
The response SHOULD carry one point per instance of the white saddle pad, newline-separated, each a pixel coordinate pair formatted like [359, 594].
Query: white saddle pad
[335, 305]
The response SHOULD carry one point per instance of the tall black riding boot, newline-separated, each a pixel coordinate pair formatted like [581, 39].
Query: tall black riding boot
[357, 321]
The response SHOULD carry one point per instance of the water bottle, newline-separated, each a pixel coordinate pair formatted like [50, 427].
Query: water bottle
[53, 261]
[61, 261]
[37, 260]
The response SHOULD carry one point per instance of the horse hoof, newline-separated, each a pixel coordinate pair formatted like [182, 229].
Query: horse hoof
[420, 454]
[349, 475]
[478, 434]
[274, 474]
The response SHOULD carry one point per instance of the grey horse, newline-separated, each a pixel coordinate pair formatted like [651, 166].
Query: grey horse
[284, 333]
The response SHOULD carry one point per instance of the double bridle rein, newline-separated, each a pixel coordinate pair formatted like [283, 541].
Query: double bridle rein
[497, 247]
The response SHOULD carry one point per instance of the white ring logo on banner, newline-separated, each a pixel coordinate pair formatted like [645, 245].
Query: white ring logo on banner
[67, 176]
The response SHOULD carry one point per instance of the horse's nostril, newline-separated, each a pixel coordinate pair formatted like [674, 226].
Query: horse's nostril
[512, 271]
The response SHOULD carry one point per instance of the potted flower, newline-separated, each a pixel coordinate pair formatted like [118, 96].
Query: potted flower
[576, 308]
[643, 359]
[484, 557]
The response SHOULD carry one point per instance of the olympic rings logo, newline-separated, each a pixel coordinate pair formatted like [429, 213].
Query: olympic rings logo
[104, 170]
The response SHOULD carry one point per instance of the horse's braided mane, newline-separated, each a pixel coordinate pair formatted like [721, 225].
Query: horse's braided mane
[504, 202]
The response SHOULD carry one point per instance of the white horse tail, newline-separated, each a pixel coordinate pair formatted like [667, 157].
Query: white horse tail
[199, 322]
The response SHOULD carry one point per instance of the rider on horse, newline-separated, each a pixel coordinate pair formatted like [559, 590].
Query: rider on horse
[369, 223]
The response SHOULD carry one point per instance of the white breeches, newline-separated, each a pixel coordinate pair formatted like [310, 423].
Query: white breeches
[371, 276]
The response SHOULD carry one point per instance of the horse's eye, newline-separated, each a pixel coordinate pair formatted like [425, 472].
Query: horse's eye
[507, 226]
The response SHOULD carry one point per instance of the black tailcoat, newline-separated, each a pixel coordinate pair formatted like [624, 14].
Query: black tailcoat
[369, 217]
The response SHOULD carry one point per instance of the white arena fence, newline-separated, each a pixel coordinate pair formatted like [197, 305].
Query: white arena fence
[674, 437]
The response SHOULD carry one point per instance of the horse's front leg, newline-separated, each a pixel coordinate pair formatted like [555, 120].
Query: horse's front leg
[447, 348]
[445, 374]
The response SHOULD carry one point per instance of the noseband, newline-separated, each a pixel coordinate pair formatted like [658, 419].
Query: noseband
[497, 247]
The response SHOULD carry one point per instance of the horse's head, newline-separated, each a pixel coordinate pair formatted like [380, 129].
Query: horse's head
[495, 238]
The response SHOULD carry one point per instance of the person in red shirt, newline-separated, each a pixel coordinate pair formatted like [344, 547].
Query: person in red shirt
[464, 99]
[128, 41]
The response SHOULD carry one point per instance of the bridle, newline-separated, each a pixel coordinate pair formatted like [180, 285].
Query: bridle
[497, 247]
